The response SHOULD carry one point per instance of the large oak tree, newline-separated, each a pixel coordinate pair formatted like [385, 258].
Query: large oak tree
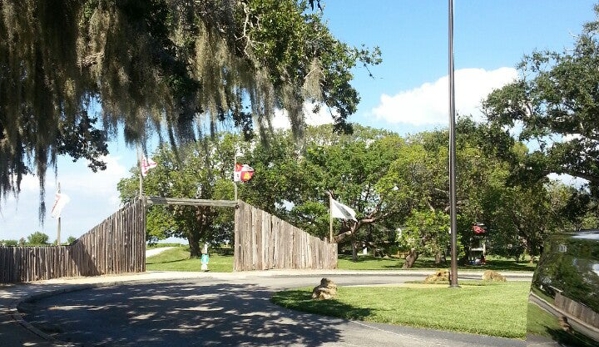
[158, 66]
[554, 106]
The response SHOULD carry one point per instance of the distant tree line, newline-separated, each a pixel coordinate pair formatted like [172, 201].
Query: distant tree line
[397, 185]
[36, 239]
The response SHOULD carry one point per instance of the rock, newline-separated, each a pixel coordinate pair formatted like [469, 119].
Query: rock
[441, 276]
[494, 276]
[326, 290]
[563, 322]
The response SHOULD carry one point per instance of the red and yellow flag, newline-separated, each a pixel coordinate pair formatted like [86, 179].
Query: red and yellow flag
[243, 173]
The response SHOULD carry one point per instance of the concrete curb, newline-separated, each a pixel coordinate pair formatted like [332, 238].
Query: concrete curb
[16, 314]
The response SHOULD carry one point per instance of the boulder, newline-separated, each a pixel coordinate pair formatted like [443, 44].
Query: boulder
[327, 289]
[441, 276]
[490, 275]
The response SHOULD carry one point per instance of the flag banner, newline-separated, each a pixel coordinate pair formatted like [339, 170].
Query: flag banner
[243, 173]
[341, 211]
[146, 165]
[479, 228]
[59, 202]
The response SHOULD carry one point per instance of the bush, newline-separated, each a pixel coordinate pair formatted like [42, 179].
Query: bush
[9, 243]
[37, 239]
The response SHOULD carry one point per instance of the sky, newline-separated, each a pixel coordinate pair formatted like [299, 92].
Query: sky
[408, 92]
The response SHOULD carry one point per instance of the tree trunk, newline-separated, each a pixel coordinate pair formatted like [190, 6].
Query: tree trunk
[354, 251]
[440, 258]
[410, 259]
[194, 246]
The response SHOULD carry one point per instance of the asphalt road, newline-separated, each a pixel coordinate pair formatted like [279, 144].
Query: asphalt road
[221, 312]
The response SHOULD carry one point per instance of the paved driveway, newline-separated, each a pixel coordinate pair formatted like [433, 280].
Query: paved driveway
[221, 312]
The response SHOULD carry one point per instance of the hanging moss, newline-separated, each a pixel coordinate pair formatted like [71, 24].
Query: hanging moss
[149, 64]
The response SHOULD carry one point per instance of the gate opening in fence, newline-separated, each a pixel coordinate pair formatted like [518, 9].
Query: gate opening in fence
[117, 245]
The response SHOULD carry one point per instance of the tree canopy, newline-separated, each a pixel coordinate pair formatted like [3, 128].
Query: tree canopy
[555, 104]
[398, 187]
[159, 66]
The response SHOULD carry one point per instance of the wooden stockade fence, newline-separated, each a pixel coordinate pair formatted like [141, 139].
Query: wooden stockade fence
[576, 309]
[264, 242]
[118, 245]
[115, 246]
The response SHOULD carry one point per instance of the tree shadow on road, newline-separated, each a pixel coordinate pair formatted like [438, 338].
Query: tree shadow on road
[178, 314]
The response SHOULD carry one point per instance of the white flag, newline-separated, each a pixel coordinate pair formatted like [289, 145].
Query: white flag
[59, 202]
[146, 165]
[338, 210]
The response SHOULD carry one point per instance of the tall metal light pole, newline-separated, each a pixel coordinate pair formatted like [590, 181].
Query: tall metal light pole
[452, 171]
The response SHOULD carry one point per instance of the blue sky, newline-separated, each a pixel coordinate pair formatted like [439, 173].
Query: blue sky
[407, 94]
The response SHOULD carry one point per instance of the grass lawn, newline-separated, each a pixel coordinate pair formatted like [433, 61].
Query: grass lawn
[368, 262]
[495, 309]
[542, 321]
[177, 259]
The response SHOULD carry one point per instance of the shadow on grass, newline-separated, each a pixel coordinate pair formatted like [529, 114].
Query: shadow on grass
[504, 264]
[301, 300]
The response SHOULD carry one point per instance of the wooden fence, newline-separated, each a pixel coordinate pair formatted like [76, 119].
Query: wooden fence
[576, 309]
[264, 242]
[115, 246]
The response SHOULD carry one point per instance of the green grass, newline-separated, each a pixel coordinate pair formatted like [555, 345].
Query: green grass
[368, 262]
[541, 321]
[495, 309]
[177, 259]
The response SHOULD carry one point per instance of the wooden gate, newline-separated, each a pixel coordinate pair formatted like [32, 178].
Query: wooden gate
[264, 242]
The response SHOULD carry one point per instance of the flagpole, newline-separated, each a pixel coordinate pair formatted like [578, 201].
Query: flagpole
[452, 158]
[234, 166]
[141, 189]
[330, 217]
[58, 226]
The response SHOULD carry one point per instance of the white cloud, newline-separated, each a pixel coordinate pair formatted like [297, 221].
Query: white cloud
[281, 118]
[429, 103]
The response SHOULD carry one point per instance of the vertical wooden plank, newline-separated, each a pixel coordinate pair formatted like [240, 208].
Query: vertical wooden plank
[271, 241]
[254, 238]
[242, 237]
[285, 246]
[282, 244]
[247, 242]
[291, 242]
[236, 245]
[258, 235]
[265, 235]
